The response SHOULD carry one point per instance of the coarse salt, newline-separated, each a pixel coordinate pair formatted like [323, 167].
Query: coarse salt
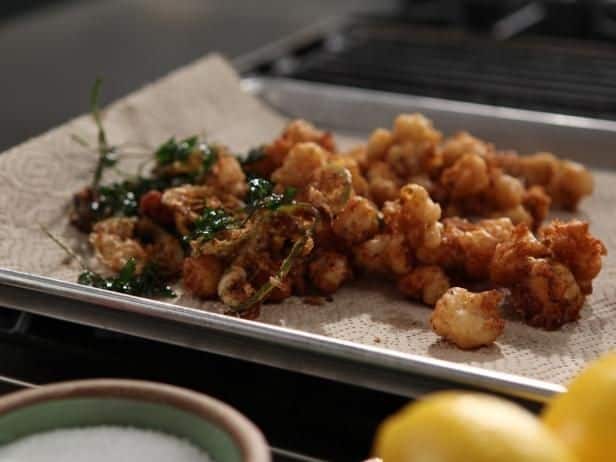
[102, 444]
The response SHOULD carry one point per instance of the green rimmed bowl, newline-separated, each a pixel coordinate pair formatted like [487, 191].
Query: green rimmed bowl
[216, 428]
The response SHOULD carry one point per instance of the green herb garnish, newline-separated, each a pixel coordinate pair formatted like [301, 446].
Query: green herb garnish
[210, 223]
[148, 283]
[107, 154]
[122, 197]
[260, 195]
[172, 150]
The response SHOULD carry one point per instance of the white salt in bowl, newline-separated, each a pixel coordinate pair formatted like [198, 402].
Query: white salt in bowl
[213, 427]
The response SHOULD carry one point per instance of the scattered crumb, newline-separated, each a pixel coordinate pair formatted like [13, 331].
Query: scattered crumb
[329, 298]
[377, 339]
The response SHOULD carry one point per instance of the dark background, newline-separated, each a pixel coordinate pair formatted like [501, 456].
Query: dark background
[51, 51]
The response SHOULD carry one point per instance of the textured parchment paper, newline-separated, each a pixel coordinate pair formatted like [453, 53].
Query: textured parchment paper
[38, 178]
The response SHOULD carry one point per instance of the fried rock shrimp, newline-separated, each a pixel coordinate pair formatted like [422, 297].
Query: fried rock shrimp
[467, 248]
[274, 153]
[114, 242]
[564, 181]
[415, 216]
[468, 320]
[543, 290]
[117, 240]
[425, 283]
[572, 244]
[296, 216]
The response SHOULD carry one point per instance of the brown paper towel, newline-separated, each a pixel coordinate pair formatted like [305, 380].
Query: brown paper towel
[38, 178]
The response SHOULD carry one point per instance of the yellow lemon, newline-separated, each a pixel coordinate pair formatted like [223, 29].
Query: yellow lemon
[585, 417]
[466, 427]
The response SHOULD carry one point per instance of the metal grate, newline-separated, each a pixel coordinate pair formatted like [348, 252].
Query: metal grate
[543, 74]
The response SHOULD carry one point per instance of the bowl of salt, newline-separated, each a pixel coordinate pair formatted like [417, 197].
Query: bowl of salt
[124, 421]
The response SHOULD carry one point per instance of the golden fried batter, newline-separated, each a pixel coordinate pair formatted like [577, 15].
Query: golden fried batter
[572, 244]
[468, 320]
[419, 209]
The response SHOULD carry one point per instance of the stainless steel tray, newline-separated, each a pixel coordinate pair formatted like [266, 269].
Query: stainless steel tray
[357, 111]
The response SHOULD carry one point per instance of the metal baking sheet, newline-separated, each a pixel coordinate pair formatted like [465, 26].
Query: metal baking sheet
[369, 366]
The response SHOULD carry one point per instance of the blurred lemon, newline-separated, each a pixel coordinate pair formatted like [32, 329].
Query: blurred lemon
[466, 427]
[584, 418]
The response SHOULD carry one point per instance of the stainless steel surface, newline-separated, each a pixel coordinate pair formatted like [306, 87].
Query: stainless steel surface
[376, 368]
[357, 111]
[352, 111]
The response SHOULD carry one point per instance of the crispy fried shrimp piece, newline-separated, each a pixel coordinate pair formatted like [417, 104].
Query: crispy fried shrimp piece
[410, 158]
[114, 242]
[359, 182]
[468, 320]
[468, 247]
[234, 287]
[415, 128]
[518, 216]
[398, 256]
[572, 244]
[162, 248]
[385, 254]
[151, 206]
[564, 181]
[504, 191]
[467, 177]
[570, 184]
[358, 221]
[298, 131]
[383, 183]
[537, 203]
[477, 246]
[300, 165]
[329, 270]
[547, 295]
[331, 189]
[416, 216]
[187, 202]
[378, 144]
[370, 255]
[201, 275]
[226, 175]
[460, 144]
[425, 283]
[511, 259]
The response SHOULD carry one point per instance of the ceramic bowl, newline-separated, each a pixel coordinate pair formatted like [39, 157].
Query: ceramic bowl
[216, 428]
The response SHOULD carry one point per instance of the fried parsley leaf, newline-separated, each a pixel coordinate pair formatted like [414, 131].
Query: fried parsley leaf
[148, 283]
[173, 150]
[107, 154]
[210, 223]
[122, 198]
[261, 195]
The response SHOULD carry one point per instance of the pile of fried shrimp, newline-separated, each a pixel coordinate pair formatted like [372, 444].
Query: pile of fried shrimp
[437, 216]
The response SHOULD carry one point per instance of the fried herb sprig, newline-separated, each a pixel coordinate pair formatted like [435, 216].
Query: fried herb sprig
[210, 223]
[107, 155]
[147, 283]
[261, 195]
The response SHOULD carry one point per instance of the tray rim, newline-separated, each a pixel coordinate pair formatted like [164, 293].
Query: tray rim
[255, 85]
[299, 341]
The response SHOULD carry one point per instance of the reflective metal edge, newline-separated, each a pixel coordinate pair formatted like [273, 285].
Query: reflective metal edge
[371, 367]
[356, 111]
